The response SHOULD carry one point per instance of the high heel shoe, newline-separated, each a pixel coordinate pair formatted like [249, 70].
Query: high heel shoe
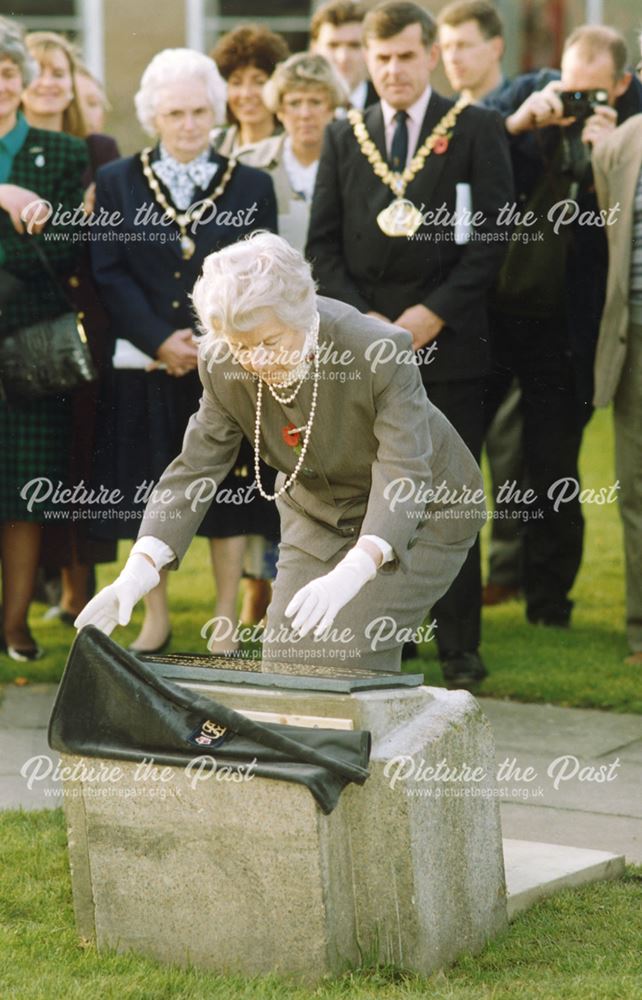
[150, 652]
[23, 654]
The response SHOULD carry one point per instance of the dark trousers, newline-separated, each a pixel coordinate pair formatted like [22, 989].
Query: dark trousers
[536, 352]
[458, 613]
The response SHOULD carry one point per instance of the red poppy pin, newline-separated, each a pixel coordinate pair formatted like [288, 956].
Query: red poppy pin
[291, 435]
[441, 145]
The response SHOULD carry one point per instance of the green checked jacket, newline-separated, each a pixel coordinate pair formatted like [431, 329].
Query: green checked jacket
[50, 164]
[35, 435]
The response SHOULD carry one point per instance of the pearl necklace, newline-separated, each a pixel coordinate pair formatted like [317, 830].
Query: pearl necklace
[299, 373]
[291, 479]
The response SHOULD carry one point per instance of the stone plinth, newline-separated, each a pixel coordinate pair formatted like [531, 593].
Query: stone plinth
[250, 877]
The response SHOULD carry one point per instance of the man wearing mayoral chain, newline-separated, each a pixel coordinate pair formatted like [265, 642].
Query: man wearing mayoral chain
[380, 500]
[405, 226]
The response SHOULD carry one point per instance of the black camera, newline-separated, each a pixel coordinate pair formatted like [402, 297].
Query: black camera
[582, 103]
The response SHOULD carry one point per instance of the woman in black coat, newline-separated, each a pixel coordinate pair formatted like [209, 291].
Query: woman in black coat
[147, 251]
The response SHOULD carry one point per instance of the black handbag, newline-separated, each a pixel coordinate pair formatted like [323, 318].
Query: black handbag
[48, 357]
[9, 287]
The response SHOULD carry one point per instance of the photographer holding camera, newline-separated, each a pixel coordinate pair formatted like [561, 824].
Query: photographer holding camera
[550, 293]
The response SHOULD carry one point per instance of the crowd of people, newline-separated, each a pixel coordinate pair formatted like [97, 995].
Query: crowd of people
[475, 223]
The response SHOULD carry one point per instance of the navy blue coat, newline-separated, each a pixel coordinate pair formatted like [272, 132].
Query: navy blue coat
[146, 284]
[138, 264]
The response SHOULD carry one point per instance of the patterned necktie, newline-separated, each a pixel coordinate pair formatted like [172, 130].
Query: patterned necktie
[399, 146]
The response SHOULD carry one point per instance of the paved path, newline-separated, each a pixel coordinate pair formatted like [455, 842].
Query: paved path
[553, 742]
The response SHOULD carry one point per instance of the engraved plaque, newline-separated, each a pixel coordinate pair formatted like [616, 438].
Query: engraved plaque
[272, 673]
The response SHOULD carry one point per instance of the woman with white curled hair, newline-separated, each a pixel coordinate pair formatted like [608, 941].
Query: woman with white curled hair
[379, 498]
[162, 212]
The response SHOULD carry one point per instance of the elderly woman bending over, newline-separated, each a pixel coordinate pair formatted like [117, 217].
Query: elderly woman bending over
[380, 499]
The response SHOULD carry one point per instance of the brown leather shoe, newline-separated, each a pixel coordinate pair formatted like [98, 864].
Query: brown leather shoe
[634, 660]
[497, 593]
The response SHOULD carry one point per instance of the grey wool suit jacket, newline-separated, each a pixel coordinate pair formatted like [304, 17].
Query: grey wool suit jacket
[377, 447]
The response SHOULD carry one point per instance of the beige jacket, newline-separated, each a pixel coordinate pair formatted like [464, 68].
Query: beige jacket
[374, 429]
[293, 210]
[616, 166]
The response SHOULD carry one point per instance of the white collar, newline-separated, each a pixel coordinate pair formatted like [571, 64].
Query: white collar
[358, 96]
[416, 112]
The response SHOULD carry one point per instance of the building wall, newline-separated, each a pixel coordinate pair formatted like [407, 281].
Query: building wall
[135, 30]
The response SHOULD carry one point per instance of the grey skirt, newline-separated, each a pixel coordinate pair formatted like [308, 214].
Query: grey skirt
[369, 632]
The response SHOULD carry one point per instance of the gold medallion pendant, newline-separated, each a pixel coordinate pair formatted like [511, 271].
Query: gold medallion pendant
[184, 219]
[400, 218]
[188, 246]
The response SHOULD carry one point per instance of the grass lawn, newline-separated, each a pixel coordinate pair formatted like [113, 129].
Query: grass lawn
[583, 944]
[581, 667]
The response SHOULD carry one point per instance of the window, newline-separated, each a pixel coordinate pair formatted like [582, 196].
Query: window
[291, 18]
[79, 20]
[49, 15]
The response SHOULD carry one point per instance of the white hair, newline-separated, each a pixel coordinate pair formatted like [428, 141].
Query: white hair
[249, 282]
[170, 66]
[13, 46]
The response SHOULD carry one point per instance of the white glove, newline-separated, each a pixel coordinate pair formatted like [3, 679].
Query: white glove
[113, 605]
[321, 600]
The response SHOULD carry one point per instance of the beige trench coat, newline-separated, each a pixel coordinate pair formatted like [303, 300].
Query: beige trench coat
[616, 167]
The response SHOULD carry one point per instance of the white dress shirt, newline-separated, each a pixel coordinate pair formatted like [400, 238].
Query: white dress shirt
[300, 176]
[358, 96]
[416, 114]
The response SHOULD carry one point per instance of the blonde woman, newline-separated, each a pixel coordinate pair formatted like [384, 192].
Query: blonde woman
[304, 93]
[51, 101]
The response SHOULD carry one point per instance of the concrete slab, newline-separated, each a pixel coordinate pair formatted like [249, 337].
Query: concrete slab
[618, 834]
[27, 707]
[609, 785]
[391, 873]
[632, 752]
[18, 746]
[535, 870]
[15, 795]
[551, 730]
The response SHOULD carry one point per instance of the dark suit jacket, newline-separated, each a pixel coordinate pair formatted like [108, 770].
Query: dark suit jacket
[138, 265]
[355, 262]
[585, 263]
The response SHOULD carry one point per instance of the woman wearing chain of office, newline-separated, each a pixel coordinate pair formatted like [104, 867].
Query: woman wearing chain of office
[167, 209]
[332, 400]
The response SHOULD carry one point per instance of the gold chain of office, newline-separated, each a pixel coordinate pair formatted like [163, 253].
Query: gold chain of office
[183, 220]
[395, 181]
